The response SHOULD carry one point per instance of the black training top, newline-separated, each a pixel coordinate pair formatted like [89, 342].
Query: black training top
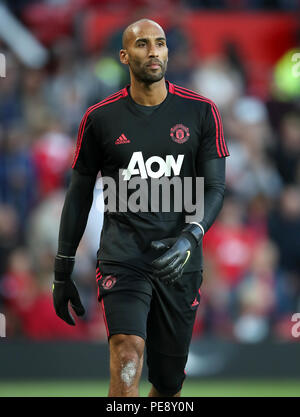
[128, 144]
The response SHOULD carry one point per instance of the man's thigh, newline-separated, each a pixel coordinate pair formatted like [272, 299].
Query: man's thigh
[125, 297]
[172, 314]
[169, 331]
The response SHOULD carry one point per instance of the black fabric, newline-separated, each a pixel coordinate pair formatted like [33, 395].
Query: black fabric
[88, 162]
[194, 231]
[212, 128]
[184, 128]
[137, 303]
[80, 196]
[147, 110]
[63, 266]
[213, 171]
[166, 373]
[75, 212]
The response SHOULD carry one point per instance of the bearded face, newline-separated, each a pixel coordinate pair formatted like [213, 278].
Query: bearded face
[146, 52]
[149, 69]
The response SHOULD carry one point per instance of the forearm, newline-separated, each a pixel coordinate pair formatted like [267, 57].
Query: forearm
[213, 203]
[75, 213]
[213, 172]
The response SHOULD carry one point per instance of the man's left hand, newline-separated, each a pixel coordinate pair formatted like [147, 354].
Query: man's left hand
[169, 266]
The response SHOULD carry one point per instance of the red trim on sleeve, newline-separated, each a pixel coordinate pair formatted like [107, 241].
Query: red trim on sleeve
[217, 132]
[114, 97]
[220, 141]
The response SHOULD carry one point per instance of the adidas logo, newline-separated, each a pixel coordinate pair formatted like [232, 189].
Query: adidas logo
[122, 139]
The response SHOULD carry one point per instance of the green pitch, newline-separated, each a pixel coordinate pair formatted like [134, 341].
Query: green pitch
[192, 388]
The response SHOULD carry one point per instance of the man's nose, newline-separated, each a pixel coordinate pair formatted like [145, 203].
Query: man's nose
[153, 51]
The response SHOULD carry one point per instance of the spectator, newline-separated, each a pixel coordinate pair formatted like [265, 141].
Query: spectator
[34, 100]
[287, 152]
[9, 234]
[52, 155]
[17, 174]
[218, 80]
[230, 243]
[10, 98]
[255, 300]
[284, 230]
[29, 303]
[250, 170]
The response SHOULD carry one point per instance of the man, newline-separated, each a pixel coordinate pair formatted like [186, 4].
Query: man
[149, 268]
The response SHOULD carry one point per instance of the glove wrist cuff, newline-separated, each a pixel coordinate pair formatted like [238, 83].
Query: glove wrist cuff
[195, 231]
[63, 267]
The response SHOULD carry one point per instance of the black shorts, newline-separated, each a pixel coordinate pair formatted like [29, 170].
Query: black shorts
[133, 302]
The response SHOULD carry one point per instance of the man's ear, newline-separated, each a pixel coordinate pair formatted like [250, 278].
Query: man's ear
[123, 56]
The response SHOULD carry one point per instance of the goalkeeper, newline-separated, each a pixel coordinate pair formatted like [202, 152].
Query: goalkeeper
[149, 263]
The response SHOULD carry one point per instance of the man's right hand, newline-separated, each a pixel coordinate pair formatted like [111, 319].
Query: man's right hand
[64, 290]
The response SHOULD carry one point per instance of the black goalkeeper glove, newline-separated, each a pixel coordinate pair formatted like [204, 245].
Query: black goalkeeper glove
[169, 266]
[64, 290]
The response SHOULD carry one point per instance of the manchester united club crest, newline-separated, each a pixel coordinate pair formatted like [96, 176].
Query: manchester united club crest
[179, 133]
[108, 282]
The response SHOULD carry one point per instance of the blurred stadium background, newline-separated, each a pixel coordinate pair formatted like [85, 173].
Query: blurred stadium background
[61, 56]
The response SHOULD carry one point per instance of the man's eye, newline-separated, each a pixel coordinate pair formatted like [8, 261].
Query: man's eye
[141, 44]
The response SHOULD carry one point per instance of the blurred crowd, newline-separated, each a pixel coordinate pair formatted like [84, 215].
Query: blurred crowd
[251, 282]
[192, 4]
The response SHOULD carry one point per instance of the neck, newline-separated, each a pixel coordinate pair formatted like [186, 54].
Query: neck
[148, 94]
